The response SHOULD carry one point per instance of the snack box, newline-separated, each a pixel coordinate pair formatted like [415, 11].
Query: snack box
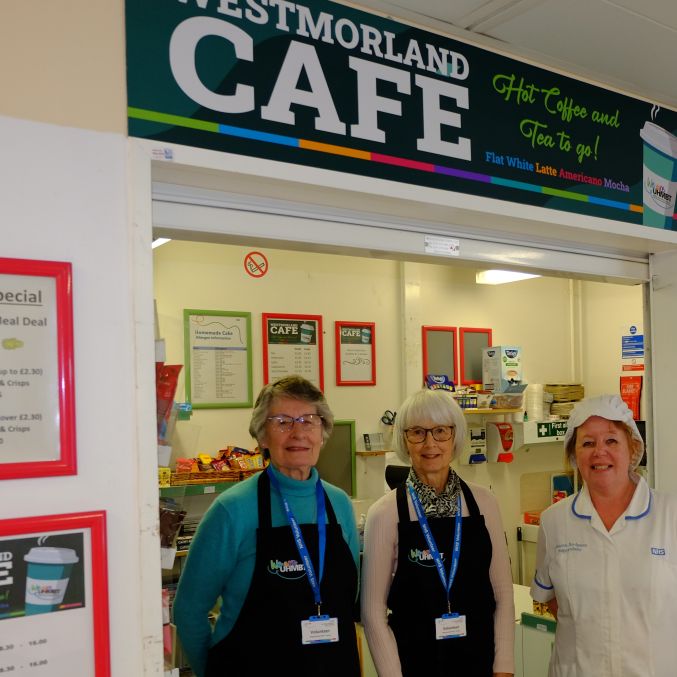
[501, 367]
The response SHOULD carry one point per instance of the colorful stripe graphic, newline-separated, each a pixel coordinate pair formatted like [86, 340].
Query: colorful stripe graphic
[242, 133]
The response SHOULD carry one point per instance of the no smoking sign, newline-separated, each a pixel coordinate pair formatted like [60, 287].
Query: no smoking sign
[256, 264]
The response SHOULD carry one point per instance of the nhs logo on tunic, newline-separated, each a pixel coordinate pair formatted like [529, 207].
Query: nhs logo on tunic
[658, 551]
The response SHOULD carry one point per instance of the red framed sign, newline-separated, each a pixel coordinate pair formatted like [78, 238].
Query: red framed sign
[472, 341]
[37, 423]
[355, 353]
[439, 351]
[54, 595]
[292, 344]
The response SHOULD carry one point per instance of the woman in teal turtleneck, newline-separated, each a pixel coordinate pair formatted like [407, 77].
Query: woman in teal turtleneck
[287, 581]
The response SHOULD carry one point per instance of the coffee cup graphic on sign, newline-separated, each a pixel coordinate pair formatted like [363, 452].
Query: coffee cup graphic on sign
[659, 181]
[47, 577]
[307, 332]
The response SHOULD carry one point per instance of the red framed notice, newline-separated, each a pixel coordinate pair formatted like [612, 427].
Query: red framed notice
[54, 595]
[292, 344]
[37, 419]
[472, 342]
[355, 353]
[439, 352]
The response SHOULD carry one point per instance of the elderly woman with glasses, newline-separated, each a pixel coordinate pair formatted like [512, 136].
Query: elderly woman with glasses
[280, 551]
[437, 594]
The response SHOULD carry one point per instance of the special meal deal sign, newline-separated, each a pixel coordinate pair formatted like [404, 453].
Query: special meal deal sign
[326, 85]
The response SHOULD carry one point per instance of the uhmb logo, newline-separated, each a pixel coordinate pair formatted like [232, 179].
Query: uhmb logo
[289, 569]
[422, 557]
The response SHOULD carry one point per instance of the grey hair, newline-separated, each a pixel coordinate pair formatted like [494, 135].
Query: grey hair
[296, 388]
[436, 406]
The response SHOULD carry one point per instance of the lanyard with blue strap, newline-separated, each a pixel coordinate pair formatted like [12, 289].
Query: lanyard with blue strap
[298, 536]
[432, 546]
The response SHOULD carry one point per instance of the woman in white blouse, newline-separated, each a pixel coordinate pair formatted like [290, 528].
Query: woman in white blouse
[436, 583]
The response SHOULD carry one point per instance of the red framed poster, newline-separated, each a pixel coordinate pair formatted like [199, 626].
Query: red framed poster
[37, 424]
[292, 344]
[54, 602]
[472, 342]
[439, 351]
[355, 353]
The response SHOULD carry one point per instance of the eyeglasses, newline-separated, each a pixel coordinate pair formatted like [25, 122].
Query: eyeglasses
[284, 424]
[440, 433]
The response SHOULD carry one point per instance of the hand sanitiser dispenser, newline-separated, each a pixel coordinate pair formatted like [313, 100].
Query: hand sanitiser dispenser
[500, 441]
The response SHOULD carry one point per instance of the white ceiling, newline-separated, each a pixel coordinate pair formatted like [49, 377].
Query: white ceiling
[626, 44]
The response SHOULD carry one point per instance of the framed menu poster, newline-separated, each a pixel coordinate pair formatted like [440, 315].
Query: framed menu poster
[292, 344]
[217, 345]
[54, 596]
[37, 412]
[355, 354]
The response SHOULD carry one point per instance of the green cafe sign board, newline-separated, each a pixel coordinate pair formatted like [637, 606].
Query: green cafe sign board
[325, 85]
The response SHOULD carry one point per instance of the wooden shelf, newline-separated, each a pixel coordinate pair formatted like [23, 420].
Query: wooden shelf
[376, 452]
[181, 490]
[487, 412]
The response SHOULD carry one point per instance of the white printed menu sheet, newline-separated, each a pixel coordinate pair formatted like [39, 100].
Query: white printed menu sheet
[293, 345]
[355, 363]
[30, 417]
[218, 358]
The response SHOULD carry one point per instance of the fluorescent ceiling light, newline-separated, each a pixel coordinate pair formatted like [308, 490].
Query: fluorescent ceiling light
[160, 240]
[500, 276]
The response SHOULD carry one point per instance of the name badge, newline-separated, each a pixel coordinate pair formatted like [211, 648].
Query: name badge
[319, 630]
[450, 626]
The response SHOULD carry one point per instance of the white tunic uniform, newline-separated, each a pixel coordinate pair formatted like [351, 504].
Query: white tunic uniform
[616, 590]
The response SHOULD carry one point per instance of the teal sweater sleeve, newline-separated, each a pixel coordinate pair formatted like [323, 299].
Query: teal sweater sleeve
[220, 563]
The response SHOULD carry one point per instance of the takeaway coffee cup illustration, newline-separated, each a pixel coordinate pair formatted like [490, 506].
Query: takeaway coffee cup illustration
[365, 335]
[307, 332]
[47, 577]
[660, 176]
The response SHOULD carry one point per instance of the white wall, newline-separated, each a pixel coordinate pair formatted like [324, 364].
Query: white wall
[607, 310]
[204, 276]
[62, 198]
[210, 276]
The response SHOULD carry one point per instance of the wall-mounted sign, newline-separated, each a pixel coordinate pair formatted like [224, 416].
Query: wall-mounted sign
[632, 348]
[256, 264]
[217, 346]
[37, 402]
[355, 353]
[54, 596]
[292, 344]
[325, 85]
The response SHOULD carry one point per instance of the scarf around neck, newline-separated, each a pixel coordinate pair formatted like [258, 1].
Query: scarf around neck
[434, 504]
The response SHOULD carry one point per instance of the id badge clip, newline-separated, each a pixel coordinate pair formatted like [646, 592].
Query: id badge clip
[319, 630]
[450, 626]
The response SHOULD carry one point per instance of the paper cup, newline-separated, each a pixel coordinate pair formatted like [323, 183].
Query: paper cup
[660, 176]
[47, 577]
[365, 335]
[307, 332]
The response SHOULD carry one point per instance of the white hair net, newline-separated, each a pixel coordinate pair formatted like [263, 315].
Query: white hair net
[610, 407]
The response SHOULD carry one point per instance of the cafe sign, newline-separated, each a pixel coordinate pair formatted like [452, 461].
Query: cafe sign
[325, 85]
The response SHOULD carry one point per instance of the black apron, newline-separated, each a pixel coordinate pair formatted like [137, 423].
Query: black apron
[266, 638]
[417, 596]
